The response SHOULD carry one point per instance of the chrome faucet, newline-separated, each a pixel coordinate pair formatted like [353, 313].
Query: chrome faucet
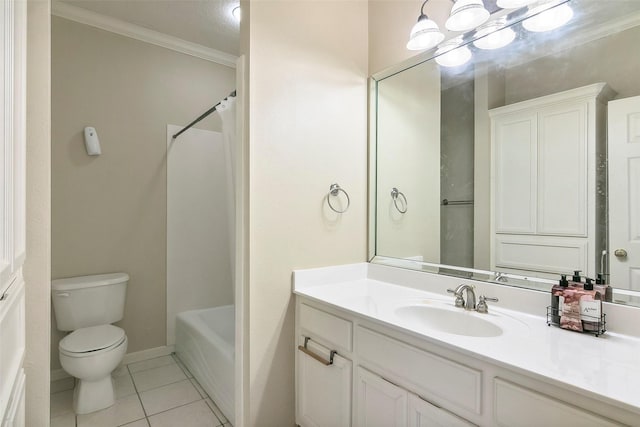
[470, 302]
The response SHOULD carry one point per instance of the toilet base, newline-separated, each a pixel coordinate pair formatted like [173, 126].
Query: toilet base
[91, 396]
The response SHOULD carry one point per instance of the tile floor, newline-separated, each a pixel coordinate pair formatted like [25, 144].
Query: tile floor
[158, 392]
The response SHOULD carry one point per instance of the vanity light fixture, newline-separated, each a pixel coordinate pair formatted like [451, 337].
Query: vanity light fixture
[549, 19]
[236, 12]
[494, 35]
[467, 15]
[425, 34]
[514, 4]
[452, 54]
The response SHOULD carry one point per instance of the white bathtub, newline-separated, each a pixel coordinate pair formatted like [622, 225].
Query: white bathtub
[205, 342]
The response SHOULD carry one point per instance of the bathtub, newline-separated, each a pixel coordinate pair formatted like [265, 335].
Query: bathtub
[205, 343]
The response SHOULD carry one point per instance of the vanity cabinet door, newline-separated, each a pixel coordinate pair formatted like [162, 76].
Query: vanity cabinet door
[323, 393]
[379, 402]
[424, 414]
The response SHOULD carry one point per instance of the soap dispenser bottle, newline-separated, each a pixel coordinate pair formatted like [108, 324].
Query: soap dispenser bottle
[606, 292]
[576, 280]
[557, 298]
[590, 307]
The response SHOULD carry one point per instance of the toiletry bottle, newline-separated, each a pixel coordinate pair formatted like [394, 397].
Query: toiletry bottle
[557, 299]
[570, 314]
[606, 291]
[590, 307]
[576, 280]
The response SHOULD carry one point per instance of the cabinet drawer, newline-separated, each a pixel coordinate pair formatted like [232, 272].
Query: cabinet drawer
[326, 328]
[516, 406]
[425, 373]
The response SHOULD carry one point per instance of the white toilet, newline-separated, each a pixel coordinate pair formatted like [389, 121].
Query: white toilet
[87, 305]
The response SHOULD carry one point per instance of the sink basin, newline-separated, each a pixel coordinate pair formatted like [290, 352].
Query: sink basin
[450, 321]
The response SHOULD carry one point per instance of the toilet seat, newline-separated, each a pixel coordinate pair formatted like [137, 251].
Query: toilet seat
[91, 341]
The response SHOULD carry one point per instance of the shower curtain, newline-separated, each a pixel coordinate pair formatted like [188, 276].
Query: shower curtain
[227, 112]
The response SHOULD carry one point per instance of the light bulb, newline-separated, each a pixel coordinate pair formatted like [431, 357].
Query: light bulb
[425, 34]
[467, 15]
[451, 54]
[548, 20]
[494, 35]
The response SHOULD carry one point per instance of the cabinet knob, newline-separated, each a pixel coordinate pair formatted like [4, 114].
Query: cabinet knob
[620, 253]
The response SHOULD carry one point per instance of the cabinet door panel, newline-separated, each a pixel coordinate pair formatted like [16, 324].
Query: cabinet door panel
[424, 414]
[562, 170]
[324, 392]
[380, 403]
[516, 406]
[514, 173]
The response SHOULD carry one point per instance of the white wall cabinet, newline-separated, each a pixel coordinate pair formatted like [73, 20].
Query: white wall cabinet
[548, 185]
[12, 210]
[395, 379]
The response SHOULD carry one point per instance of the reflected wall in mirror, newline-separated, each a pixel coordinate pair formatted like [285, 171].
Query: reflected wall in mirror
[522, 164]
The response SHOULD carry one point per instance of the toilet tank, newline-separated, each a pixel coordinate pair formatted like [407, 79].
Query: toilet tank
[80, 302]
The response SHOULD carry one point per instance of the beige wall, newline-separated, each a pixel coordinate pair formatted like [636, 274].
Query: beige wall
[37, 267]
[308, 118]
[109, 212]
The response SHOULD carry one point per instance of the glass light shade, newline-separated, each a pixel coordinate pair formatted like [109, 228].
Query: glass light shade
[494, 35]
[236, 13]
[451, 54]
[467, 15]
[549, 19]
[425, 34]
[514, 4]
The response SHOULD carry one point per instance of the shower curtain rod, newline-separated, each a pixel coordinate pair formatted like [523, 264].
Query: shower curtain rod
[202, 116]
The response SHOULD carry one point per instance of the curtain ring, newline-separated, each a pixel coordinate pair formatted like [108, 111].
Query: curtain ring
[334, 190]
[395, 194]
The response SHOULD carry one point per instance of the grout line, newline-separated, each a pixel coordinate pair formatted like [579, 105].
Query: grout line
[185, 404]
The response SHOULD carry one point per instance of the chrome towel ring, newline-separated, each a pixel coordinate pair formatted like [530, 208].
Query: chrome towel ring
[395, 195]
[334, 191]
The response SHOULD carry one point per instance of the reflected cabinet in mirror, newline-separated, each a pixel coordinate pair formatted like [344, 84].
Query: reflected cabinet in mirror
[521, 164]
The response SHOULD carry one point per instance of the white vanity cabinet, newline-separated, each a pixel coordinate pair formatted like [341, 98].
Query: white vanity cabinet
[548, 183]
[389, 377]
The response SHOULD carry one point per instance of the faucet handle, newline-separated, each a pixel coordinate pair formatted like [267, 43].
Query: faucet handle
[459, 299]
[482, 306]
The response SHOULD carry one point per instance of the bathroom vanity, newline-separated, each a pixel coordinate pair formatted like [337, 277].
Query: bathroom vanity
[379, 346]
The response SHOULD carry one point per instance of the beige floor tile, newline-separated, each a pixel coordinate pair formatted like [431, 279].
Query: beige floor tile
[168, 397]
[195, 414]
[120, 371]
[216, 411]
[66, 420]
[123, 386]
[61, 403]
[198, 387]
[125, 410]
[139, 423]
[62, 385]
[184, 368]
[151, 363]
[157, 377]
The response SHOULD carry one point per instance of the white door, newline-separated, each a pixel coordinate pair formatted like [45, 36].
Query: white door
[624, 193]
[424, 414]
[380, 403]
[323, 392]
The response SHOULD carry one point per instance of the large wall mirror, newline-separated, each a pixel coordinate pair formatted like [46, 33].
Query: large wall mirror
[522, 163]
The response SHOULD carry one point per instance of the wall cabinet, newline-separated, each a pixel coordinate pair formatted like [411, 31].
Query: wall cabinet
[549, 183]
[12, 210]
[388, 378]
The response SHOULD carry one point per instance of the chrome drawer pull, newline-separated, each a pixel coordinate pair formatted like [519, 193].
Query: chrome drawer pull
[319, 358]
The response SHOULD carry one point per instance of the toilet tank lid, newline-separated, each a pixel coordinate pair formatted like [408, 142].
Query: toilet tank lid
[79, 282]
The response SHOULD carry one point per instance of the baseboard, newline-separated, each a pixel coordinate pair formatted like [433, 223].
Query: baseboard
[149, 353]
[136, 356]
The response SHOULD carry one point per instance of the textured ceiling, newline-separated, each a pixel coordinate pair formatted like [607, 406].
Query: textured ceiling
[206, 22]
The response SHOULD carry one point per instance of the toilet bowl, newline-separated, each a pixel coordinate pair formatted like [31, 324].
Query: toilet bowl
[91, 354]
[86, 306]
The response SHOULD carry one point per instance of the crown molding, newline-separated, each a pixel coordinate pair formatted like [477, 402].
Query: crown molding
[123, 28]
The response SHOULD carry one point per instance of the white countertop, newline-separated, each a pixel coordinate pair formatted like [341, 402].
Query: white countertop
[606, 367]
